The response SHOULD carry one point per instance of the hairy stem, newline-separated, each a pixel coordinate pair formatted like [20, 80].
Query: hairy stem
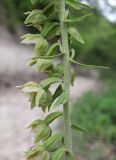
[67, 77]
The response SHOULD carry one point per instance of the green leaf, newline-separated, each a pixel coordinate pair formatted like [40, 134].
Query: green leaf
[74, 4]
[48, 81]
[43, 64]
[62, 99]
[48, 9]
[41, 46]
[51, 117]
[30, 38]
[78, 19]
[77, 5]
[52, 49]
[87, 65]
[75, 34]
[78, 128]
[50, 142]
[84, 5]
[58, 154]
[35, 17]
[50, 30]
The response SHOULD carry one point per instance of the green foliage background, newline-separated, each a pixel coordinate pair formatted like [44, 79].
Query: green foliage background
[13, 11]
[97, 113]
[100, 38]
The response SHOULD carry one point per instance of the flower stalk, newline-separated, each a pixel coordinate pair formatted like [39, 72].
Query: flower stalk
[67, 76]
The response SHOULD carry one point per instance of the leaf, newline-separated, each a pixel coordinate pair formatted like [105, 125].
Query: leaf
[48, 81]
[41, 46]
[50, 30]
[75, 34]
[74, 4]
[54, 33]
[62, 99]
[48, 9]
[30, 38]
[52, 49]
[35, 17]
[78, 19]
[78, 128]
[87, 65]
[43, 64]
[77, 5]
[57, 155]
[84, 5]
[51, 117]
[50, 142]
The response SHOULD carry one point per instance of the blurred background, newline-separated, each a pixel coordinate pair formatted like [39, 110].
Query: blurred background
[93, 97]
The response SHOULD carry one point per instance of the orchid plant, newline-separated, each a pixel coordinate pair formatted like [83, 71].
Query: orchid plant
[53, 40]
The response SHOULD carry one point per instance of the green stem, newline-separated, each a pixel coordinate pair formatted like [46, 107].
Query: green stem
[67, 77]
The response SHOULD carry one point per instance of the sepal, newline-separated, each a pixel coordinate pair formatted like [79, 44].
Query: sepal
[35, 17]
